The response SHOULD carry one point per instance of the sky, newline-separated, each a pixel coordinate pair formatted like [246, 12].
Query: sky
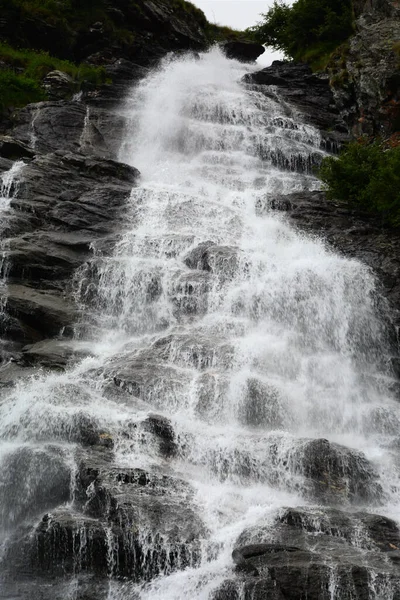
[238, 14]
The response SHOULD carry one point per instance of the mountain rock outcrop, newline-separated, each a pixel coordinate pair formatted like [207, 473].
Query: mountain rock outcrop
[365, 72]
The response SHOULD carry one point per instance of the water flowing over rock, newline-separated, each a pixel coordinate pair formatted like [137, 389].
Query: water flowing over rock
[198, 396]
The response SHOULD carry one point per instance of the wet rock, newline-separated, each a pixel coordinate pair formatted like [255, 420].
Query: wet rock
[50, 126]
[335, 473]
[355, 235]
[308, 548]
[308, 92]
[189, 294]
[163, 430]
[32, 480]
[14, 149]
[59, 85]
[155, 383]
[262, 406]
[257, 589]
[243, 51]
[197, 350]
[49, 313]
[197, 258]
[65, 203]
[54, 353]
[208, 256]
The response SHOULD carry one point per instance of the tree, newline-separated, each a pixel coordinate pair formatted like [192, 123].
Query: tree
[305, 25]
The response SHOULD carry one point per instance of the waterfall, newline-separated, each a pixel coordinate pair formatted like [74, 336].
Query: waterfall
[233, 359]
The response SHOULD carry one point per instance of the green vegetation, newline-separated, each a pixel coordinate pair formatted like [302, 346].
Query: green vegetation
[221, 33]
[308, 31]
[366, 177]
[20, 82]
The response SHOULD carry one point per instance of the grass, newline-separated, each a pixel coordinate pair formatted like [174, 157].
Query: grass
[20, 81]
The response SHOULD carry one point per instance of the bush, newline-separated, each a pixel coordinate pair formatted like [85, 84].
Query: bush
[366, 177]
[307, 28]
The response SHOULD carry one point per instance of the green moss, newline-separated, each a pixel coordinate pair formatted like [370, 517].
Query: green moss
[18, 90]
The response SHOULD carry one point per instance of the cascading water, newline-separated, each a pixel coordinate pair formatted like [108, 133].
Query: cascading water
[9, 186]
[261, 352]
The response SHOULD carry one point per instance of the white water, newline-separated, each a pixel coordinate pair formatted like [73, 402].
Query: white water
[279, 308]
[9, 182]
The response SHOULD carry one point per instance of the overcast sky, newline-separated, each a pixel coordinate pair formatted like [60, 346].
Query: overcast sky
[238, 14]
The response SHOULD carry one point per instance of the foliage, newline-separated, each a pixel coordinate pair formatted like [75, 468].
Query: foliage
[307, 30]
[18, 90]
[20, 82]
[367, 177]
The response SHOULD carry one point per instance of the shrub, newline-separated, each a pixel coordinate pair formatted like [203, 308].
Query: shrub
[308, 28]
[366, 177]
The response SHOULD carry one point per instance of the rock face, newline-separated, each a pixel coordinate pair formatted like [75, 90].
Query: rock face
[365, 73]
[304, 552]
[66, 203]
[308, 92]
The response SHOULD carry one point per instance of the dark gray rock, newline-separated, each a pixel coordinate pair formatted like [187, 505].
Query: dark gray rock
[59, 85]
[189, 294]
[48, 312]
[65, 203]
[243, 51]
[32, 480]
[50, 126]
[163, 430]
[14, 149]
[127, 523]
[208, 256]
[365, 75]
[335, 474]
[262, 406]
[307, 549]
[54, 353]
[308, 92]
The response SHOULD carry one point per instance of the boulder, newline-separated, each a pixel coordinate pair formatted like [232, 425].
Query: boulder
[162, 428]
[208, 256]
[335, 474]
[59, 85]
[243, 51]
